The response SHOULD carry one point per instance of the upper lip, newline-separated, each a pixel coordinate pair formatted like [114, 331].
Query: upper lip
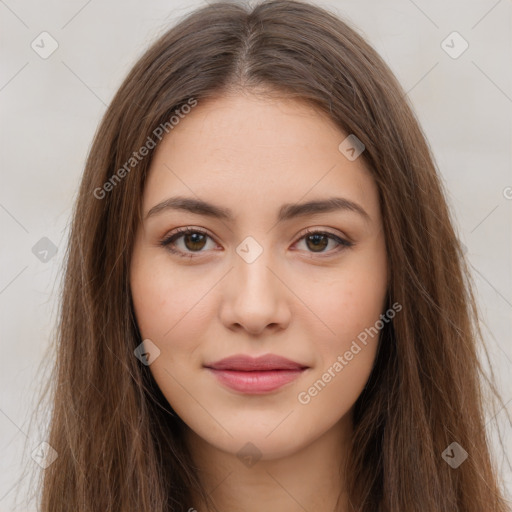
[242, 362]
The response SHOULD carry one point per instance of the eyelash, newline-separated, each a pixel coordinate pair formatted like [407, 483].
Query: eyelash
[168, 240]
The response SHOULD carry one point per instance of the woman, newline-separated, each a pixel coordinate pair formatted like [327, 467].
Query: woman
[265, 304]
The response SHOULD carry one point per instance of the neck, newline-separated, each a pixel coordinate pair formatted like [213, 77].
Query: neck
[311, 478]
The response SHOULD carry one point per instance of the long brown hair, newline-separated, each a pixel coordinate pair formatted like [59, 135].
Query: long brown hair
[119, 443]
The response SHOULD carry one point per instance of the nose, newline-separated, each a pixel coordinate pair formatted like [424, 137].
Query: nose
[255, 297]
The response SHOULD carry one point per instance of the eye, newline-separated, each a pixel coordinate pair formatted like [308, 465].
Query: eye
[319, 240]
[195, 240]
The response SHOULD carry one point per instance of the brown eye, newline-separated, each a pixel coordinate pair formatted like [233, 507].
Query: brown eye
[194, 240]
[317, 241]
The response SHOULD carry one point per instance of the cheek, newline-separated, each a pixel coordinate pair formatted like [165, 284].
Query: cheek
[350, 309]
[164, 299]
[347, 302]
[345, 359]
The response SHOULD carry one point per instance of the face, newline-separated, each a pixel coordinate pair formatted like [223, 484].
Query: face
[257, 275]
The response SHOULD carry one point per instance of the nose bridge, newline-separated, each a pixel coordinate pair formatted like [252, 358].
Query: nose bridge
[252, 267]
[256, 297]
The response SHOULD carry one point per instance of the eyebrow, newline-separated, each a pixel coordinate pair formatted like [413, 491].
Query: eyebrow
[286, 212]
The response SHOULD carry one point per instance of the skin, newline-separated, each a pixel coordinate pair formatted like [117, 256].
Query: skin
[251, 154]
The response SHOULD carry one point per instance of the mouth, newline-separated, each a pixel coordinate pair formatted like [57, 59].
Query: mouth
[259, 375]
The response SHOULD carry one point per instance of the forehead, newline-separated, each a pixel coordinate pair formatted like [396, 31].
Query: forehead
[247, 152]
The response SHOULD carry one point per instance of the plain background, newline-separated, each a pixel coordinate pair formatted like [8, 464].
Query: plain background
[51, 109]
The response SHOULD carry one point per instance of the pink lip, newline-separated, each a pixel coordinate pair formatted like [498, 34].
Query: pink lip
[256, 375]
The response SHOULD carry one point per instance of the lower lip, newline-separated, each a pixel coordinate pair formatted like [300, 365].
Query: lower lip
[256, 382]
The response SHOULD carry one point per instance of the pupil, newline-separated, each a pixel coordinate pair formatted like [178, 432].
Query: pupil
[316, 239]
[196, 238]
